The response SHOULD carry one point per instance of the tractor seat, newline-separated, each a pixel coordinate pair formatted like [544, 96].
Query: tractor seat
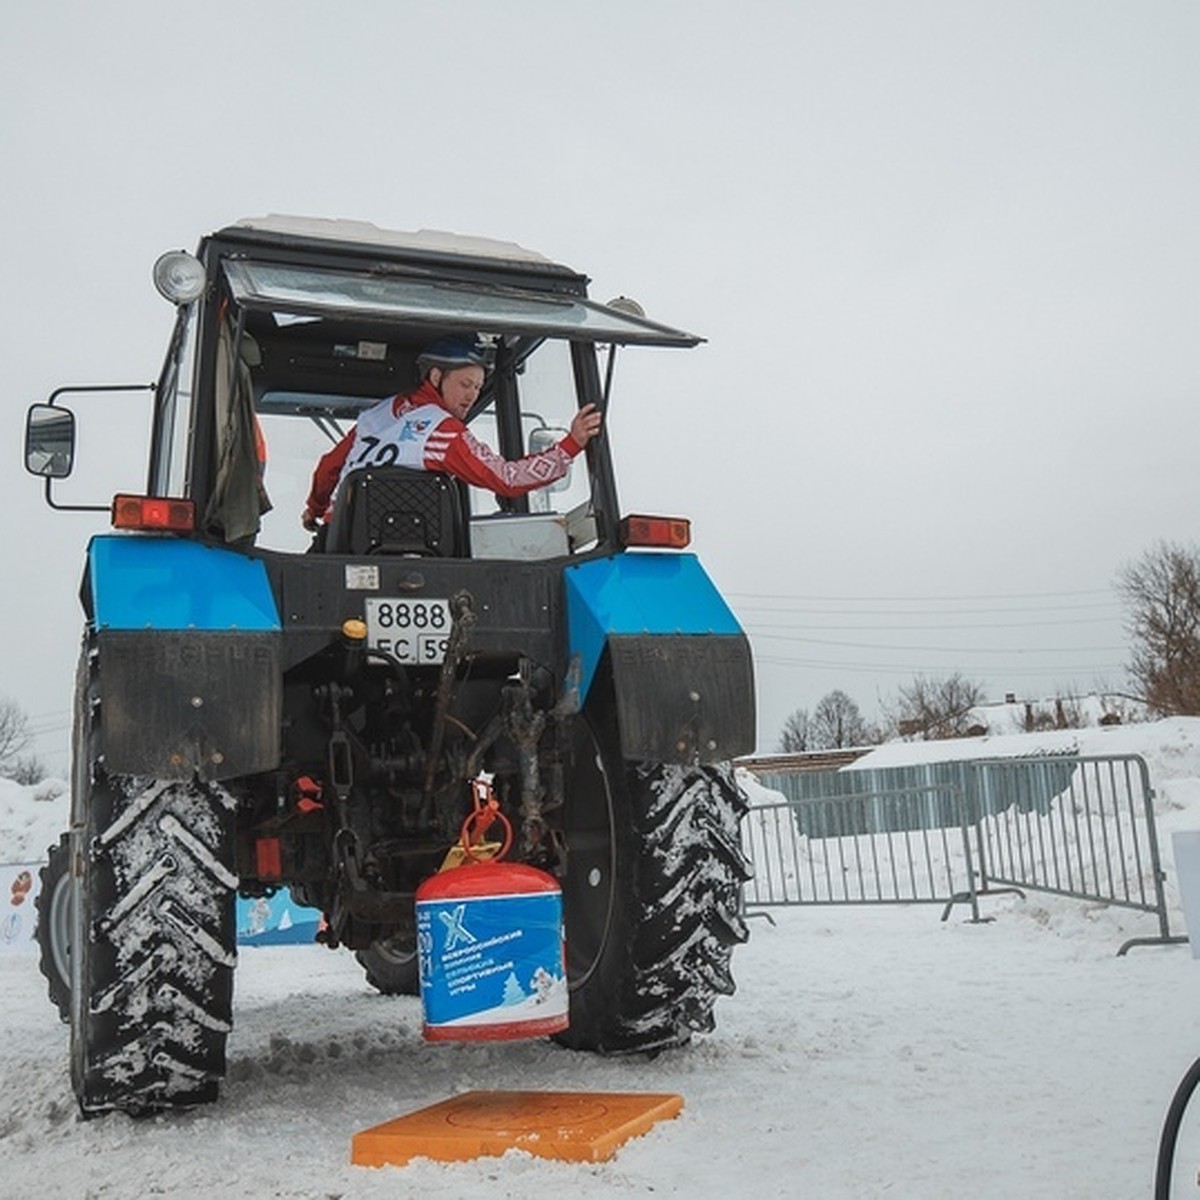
[398, 510]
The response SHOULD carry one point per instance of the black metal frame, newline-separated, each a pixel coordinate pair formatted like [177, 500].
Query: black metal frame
[501, 390]
[67, 391]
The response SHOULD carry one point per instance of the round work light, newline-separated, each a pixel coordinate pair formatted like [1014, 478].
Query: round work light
[179, 276]
[624, 304]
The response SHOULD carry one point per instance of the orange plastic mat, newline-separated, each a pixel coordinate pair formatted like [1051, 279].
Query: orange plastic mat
[574, 1126]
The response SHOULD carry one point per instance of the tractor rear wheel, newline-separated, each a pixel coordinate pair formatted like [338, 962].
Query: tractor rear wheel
[651, 896]
[153, 931]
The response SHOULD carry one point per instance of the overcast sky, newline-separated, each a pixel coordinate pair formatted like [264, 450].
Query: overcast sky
[946, 256]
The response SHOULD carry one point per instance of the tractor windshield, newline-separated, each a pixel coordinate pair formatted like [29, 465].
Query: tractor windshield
[296, 427]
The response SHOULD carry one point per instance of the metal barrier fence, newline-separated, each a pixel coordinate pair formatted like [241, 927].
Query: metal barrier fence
[1097, 840]
[948, 833]
[872, 848]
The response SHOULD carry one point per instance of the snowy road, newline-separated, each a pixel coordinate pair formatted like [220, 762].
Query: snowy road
[868, 1052]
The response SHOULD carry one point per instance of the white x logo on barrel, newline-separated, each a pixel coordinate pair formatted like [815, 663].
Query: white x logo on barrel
[456, 931]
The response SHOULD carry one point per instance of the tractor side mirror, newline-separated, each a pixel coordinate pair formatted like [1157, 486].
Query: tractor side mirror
[49, 441]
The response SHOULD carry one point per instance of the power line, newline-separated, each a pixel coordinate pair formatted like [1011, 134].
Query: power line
[775, 637]
[876, 599]
[58, 721]
[941, 625]
[1023, 670]
[926, 610]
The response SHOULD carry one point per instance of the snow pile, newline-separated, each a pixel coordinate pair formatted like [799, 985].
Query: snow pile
[1170, 747]
[31, 819]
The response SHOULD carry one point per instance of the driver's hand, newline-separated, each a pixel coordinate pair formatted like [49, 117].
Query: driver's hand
[308, 519]
[586, 424]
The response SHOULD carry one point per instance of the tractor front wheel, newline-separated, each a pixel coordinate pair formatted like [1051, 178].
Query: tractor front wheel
[55, 923]
[391, 965]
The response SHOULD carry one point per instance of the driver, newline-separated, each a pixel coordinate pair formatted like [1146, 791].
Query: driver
[425, 430]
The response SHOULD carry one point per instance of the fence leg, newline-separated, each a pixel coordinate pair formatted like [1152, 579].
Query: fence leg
[764, 914]
[1174, 940]
[962, 898]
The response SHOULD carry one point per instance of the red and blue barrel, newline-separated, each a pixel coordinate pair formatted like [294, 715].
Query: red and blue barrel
[491, 954]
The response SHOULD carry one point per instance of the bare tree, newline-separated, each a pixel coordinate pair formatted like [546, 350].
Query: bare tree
[1161, 592]
[797, 733]
[931, 709]
[1063, 712]
[14, 733]
[26, 770]
[837, 723]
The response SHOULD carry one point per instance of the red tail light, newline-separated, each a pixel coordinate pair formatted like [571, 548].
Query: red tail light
[672, 532]
[268, 858]
[153, 512]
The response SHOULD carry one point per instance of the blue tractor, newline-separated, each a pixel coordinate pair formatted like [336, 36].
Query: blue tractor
[255, 713]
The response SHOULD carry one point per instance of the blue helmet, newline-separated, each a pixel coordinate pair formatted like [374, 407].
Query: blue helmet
[456, 350]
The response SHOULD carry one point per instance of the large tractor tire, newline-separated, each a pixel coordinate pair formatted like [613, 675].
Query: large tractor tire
[651, 896]
[154, 934]
[55, 920]
[391, 965]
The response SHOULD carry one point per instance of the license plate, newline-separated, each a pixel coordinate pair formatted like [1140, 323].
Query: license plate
[411, 631]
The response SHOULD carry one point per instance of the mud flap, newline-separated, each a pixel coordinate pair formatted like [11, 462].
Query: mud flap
[684, 698]
[178, 704]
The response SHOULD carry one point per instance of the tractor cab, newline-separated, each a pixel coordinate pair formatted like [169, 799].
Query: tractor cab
[289, 328]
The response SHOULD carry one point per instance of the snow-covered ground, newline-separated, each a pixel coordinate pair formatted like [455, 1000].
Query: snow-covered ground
[868, 1052]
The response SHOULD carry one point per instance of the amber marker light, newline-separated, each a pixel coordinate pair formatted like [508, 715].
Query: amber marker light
[671, 533]
[153, 513]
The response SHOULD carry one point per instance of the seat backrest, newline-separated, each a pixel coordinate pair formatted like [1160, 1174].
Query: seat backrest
[397, 510]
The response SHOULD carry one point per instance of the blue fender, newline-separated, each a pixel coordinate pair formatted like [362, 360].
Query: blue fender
[680, 662]
[190, 647]
[146, 582]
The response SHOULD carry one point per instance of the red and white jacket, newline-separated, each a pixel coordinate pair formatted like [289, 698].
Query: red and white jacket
[416, 431]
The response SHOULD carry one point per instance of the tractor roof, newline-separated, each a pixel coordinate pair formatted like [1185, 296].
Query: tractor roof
[276, 228]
